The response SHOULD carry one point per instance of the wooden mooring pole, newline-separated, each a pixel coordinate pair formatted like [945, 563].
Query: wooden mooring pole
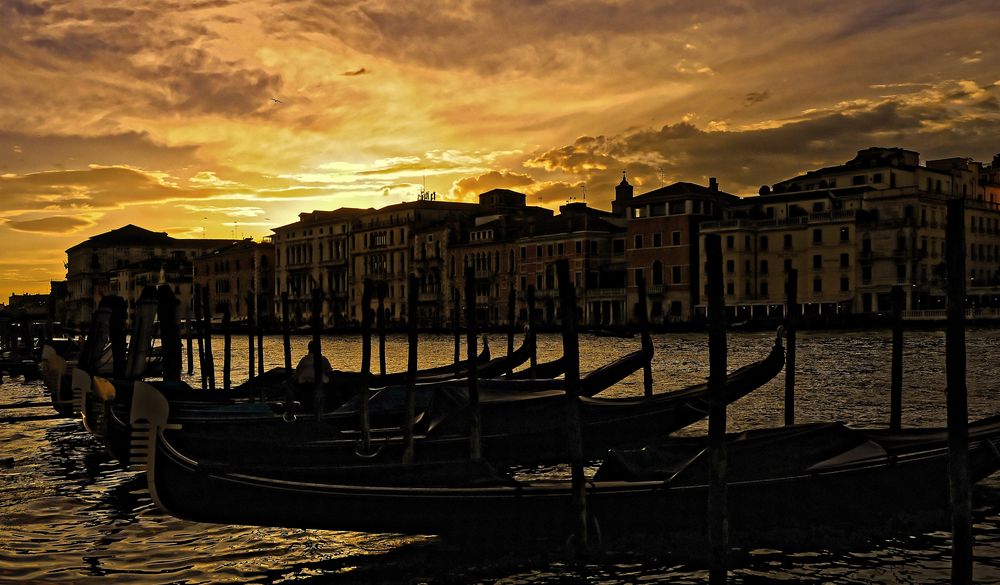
[411, 365]
[456, 320]
[190, 349]
[209, 356]
[896, 387]
[380, 324]
[533, 356]
[475, 429]
[957, 398]
[260, 336]
[251, 369]
[574, 435]
[286, 329]
[647, 343]
[366, 362]
[791, 325]
[511, 319]
[317, 353]
[718, 512]
[201, 340]
[170, 333]
[227, 347]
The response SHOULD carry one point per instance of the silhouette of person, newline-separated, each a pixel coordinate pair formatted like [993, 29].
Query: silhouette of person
[305, 370]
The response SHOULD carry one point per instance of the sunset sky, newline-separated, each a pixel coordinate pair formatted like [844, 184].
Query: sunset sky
[164, 113]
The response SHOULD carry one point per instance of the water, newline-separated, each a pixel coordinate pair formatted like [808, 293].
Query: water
[69, 514]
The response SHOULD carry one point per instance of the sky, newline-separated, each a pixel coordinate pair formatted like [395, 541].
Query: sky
[211, 118]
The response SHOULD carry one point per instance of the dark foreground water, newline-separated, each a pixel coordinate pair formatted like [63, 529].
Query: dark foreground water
[70, 514]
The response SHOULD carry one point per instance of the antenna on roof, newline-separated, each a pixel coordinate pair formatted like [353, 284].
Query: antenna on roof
[659, 173]
[583, 188]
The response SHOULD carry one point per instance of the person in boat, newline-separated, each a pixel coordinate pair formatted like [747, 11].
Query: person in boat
[305, 372]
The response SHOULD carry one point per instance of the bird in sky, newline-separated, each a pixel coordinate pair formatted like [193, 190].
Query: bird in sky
[277, 101]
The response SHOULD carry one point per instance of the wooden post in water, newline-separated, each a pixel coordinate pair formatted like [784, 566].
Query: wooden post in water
[456, 320]
[116, 335]
[647, 343]
[366, 362]
[533, 356]
[251, 369]
[957, 398]
[209, 356]
[190, 352]
[317, 354]
[201, 340]
[475, 428]
[791, 324]
[896, 389]
[380, 324]
[286, 335]
[411, 365]
[718, 513]
[227, 347]
[511, 318]
[170, 333]
[574, 435]
[260, 338]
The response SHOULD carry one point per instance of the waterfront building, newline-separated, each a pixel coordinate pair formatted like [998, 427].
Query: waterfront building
[489, 246]
[315, 252]
[853, 231]
[90, 263]
[129, 280]
[240, 275]
[382, 248]
[585, 237]
[661, 245]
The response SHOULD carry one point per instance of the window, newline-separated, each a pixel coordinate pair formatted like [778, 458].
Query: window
[763, 266]
[637, 243]
[746, 242]
[763, 243]
[538, 251]
[788, 241]
[877, 178]
[747, 289]
[818, 206]
[866, 274]
[658, 209]
[817, 261]
[817, 285]
[859, 180]
[788, 265]
[845, 234]
[549, 250]
[657, 273]
[618, 247]
[561, 248]
[675, 238]
[524, 283]
[763, 289]
[639, 275]
[675, 274]
[676, 207]
[901, 271]
[524, 252]
[730, 266]
[845, 260]
[845, 284]
[730, 242]
[638, 212]
[657, 240]
[818, 236]
[579, 247]
[730, 289]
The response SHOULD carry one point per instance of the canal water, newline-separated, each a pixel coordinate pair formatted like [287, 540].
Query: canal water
[70, 514]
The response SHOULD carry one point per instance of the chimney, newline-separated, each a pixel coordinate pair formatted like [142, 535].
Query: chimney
[713, 184]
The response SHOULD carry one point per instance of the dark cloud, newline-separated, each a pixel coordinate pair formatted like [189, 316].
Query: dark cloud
[471, 186]
[755, 97]
[57, 224]
[91, 189]
[744, 159]
[40, 152]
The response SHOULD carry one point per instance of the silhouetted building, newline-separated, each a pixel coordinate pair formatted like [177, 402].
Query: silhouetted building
[241, 275]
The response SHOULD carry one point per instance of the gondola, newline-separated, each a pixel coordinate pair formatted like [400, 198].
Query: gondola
[800, 477]
[517, 429]
[106, 415]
